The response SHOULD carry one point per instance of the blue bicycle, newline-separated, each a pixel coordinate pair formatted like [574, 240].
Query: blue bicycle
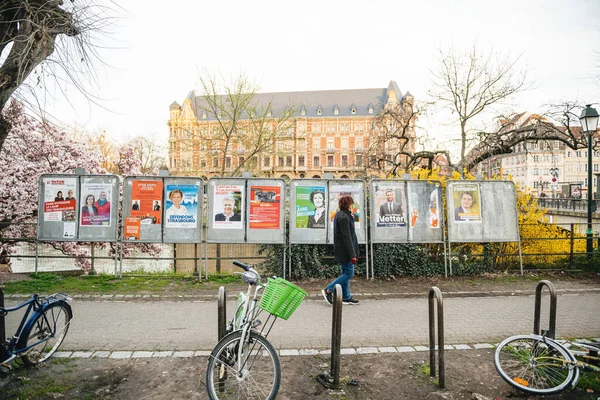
[41, 331]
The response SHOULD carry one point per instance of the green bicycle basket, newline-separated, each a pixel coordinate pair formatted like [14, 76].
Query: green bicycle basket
[281, 298]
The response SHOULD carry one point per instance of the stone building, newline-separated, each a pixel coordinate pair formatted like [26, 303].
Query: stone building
[336, 132]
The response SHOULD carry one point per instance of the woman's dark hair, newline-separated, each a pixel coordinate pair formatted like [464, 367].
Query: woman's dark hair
[59, 193]
[312, 195]
[88, 196]
[345, 202]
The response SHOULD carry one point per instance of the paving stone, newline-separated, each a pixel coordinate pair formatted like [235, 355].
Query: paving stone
[289, 352]
[446, 347]
[183, 354]
[81, 354]
[120, 354]
[405, 349]
[101, 354]
[347, 351]
[422, 348]
[325, 352]
[62, 354]
[462, 347]
[162, 354]
[309, 352]
[202, 353]
[142, 354]
[483, 346]
[387, 350]
[367, 350]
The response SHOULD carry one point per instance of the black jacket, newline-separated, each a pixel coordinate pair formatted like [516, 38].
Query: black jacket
[345, 243]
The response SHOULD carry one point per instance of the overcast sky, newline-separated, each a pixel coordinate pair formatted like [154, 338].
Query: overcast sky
[156, 53]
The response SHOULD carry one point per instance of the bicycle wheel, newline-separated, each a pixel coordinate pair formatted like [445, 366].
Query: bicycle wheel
[42, 337]
[533, 365]
[256, 375]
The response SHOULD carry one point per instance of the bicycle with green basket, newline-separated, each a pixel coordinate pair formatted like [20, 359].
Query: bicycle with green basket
[244, 364]
[542, 365]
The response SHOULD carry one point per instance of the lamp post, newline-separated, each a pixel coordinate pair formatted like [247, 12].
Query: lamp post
[589, 124]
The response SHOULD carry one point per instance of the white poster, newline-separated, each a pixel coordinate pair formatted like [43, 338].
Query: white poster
[95, 204]
[228, 207]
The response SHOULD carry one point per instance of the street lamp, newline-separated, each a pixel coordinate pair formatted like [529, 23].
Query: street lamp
[589, 124]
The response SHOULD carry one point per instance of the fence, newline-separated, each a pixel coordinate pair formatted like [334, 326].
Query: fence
[541, 244]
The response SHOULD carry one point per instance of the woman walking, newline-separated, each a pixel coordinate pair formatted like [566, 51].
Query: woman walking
[345, 248]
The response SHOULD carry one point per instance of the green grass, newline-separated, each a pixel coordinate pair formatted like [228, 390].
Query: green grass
[33, 389]
[108, 284]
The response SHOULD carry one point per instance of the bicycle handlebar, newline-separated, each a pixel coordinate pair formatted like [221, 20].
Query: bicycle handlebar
[243, 266]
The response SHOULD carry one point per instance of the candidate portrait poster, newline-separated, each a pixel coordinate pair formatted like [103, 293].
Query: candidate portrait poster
[96, 209]
[337, 191]
[390, 205]
[228, 207]
[144, 197]
[60, 202]
[265, 208]
[181, 206]
[311, 207]
[467, 203]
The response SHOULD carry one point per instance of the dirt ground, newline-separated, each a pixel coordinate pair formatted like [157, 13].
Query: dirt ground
[469, 374]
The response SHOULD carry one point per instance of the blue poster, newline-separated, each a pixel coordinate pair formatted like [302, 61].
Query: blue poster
[182, 206]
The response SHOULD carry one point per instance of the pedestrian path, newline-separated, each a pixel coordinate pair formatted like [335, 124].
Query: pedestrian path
[153, 325]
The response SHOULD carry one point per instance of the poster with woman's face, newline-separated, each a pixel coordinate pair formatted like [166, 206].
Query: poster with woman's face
[95, 204]
[311, 207]
[467, 205]
[335, 192]
[60, 203]
[181, 206]
[228, 207]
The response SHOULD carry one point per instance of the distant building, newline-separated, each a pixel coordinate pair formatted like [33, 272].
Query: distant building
[332, 132]
[544, 168]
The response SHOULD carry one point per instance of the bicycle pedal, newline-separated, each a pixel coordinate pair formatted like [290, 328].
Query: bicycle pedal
[256, 323]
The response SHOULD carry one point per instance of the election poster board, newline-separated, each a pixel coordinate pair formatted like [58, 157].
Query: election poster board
[482, 211]
[266, 211]
[425, 213]
[98, 208]
[57, 207]
[308, 211]
[347, 187]
[226, 214]
[182, 217]
[141, 216]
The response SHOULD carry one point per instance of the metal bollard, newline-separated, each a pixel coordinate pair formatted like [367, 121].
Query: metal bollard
[434, 291]
[332, 380]
[222, 312]
[538, 303]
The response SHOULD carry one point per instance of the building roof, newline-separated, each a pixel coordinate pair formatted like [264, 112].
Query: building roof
[347, 100]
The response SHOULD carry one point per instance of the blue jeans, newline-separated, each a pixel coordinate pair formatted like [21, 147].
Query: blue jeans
[343, 280]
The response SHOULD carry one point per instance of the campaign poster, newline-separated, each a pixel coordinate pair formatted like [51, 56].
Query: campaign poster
[60, 202]
[265, 207]
[310, 207]
[144, 197]
[575, 189]
[182, 206]
[95, 204]
[390, 206]
[337, 191]
[132, 228]
[228, 207]
[425, 212]
[467, 203]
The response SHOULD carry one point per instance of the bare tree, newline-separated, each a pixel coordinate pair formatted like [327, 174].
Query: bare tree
[241, 119]
[149, 153]
[33, 33]
[470, 83]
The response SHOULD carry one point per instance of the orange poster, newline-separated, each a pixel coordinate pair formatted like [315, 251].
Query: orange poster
[146, 201]
[132, 228]
[264, 207]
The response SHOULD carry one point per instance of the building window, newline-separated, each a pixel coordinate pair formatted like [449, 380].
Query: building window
[336, 111]
[303, 112]
[536, 159]
[301, 161]
[266, 162]
[330, 143]
[370, 110]
[353, 111]
[595, 167]
[316, 144]
[358, 160]
[316, 127]
[241, 160]
[319, 112]
[330, 161]
[315, 161]
[227, 162]
[215, 162]
[280, 160]
[344, 160]
[288, 161]
[579, 154]
[345, 143]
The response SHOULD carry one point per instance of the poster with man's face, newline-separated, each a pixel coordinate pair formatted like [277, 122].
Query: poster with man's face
[390, 205]
[228, 207]
[95, 204]
[467, 204]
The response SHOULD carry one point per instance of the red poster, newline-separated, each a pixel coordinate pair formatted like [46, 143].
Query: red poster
[145, 195]
[132, 228]
[264, 207]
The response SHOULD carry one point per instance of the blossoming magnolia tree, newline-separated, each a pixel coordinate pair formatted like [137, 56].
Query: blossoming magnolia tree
[33, 148]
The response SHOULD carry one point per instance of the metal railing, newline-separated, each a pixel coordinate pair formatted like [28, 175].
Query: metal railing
[576, 205]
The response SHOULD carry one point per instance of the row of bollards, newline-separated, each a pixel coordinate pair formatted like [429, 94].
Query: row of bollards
[332, 379]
